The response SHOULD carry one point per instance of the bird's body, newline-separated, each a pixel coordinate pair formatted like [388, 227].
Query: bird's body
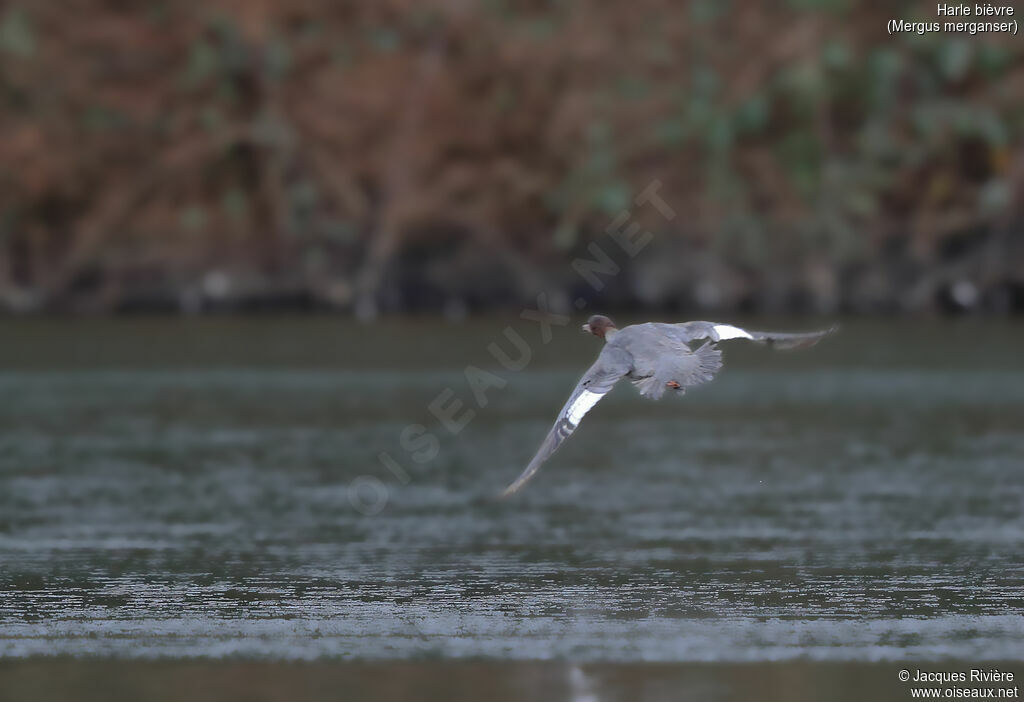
[656, 358]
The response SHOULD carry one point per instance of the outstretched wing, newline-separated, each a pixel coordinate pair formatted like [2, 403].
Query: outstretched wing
[612, 364]
[691, 331]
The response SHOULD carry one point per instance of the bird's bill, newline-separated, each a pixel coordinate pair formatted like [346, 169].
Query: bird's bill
[586, 328]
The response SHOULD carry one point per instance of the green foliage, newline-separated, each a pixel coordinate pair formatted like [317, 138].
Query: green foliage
[384, 39]
[192, 219]
[235, 204]
[16, 35]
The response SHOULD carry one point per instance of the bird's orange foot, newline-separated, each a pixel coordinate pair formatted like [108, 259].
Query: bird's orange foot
[673, 384]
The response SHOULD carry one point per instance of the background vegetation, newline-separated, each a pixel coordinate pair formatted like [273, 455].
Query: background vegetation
[403, 155]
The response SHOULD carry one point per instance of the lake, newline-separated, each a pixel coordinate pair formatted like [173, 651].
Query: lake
[204, 500]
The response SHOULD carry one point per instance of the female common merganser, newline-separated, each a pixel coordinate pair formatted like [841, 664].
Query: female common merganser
[655, 357]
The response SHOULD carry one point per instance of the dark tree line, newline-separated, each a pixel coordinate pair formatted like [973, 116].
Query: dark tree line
[400, 155]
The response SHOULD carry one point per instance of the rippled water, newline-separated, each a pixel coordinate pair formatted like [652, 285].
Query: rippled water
[182, 489]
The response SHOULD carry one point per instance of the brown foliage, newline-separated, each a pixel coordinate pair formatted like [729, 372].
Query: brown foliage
[315, 146]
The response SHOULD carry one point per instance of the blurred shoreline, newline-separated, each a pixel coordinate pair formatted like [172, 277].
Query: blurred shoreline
[651, 287]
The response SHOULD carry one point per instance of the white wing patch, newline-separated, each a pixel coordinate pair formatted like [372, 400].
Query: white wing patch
[727, 331]
[581, 406]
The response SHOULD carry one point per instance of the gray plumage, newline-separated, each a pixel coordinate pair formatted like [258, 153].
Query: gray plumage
[655, 357]
[661, 354]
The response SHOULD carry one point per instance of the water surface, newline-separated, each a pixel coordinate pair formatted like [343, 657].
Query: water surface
[175, 489]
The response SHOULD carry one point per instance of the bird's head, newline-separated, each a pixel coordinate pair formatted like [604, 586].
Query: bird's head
[598, 325]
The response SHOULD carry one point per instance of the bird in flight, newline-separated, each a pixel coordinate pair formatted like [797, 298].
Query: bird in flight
[655, 357]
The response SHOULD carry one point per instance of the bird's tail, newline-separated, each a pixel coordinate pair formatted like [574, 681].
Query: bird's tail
[709, 358]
